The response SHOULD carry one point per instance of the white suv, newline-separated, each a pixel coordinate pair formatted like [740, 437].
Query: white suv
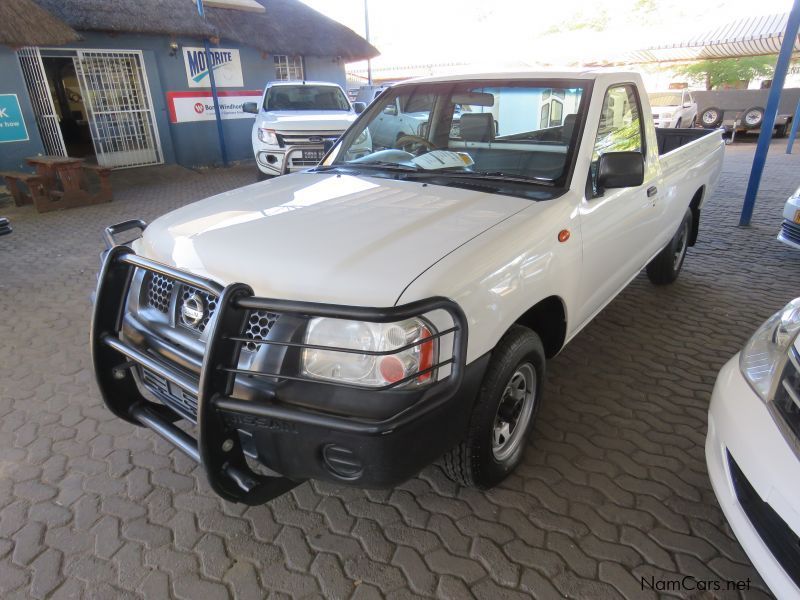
[673, 109]
[294, 122]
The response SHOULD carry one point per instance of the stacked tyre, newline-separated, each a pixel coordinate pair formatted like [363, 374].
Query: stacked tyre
[711, 117]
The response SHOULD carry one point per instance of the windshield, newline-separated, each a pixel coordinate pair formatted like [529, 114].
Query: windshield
[665, 99]
[517, 130]
[305, 97]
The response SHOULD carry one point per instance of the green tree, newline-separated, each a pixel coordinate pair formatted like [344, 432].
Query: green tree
[716, 72]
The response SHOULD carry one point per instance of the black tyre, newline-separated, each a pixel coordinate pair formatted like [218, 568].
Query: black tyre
[711, 117]
[678, 123]
[503, 414]
[752, 117]
[666, 265]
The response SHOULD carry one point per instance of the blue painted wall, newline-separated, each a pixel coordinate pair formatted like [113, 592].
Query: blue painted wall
[188, 144]
[12, 154]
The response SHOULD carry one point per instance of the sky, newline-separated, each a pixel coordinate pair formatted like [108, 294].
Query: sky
[520, 32]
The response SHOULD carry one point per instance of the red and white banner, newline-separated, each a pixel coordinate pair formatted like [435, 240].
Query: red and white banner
[191, 107]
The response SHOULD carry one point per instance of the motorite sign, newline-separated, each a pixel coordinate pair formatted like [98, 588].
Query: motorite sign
[189, 107]
[225, 63]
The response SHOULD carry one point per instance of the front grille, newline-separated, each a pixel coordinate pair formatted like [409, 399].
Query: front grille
[209, 302]
[787, 396]
[307, 138]
[258, 327]
[300, 162]
[791, 231]
[173, 396]
[774, 531]
[159, 290]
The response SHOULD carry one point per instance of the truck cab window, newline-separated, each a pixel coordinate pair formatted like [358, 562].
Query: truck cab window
[620, 127]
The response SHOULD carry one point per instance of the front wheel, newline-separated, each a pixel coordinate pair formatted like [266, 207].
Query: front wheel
[666, 266]
[504, 411]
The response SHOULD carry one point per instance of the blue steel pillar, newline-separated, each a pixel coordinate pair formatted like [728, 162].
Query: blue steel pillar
[795, 123]
[222, 150]
[770, 112]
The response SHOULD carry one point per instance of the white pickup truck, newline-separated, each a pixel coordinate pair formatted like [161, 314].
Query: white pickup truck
[360, 320]
[294, 121]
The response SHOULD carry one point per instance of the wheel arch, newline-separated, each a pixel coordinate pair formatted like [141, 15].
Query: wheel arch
[694, 206]
[548, 318]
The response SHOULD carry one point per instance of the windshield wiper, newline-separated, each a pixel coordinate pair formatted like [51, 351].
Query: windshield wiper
[491, 176]
[378, 164]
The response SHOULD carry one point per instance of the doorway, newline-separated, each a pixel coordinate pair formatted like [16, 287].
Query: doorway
[73, 118]
[93, 103]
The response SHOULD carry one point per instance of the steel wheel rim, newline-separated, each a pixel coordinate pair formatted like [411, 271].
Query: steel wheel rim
[514, 412]
[682, 244]
[752, 117]
[709, 117]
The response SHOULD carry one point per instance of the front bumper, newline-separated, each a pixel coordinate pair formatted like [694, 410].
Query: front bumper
[279, 161]
[790, 228]
[256, 447]
[744, 442]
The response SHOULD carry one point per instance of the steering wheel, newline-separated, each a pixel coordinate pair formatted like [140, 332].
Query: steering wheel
[405, 140]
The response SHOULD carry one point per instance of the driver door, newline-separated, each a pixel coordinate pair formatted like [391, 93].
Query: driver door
[617, 225]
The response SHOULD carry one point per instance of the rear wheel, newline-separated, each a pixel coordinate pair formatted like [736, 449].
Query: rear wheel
[504, 411]
[666, 266]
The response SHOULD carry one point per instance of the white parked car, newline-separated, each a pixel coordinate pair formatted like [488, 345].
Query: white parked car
[294, 122]
[753, 446]
[790, 228]
[358, 321]
[674, 108]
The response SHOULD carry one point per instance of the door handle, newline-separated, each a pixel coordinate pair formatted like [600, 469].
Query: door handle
[652, 191]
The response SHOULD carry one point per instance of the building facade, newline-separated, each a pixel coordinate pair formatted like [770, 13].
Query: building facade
[132, 99]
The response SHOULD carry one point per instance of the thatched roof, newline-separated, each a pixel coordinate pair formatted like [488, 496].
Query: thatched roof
[285, 27]
[24, 23]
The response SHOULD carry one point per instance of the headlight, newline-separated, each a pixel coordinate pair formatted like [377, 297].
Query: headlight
[766, 352]
[268, 136]
[370, 370]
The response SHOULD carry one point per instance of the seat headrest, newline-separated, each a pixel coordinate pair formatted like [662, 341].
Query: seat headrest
[569, 125]
[477, 127]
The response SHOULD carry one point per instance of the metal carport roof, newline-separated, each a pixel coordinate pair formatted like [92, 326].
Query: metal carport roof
[752, 36]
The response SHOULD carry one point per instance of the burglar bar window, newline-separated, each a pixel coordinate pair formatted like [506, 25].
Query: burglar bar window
[288, 68]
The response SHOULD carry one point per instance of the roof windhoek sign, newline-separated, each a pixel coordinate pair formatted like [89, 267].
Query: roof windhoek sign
[225, 63]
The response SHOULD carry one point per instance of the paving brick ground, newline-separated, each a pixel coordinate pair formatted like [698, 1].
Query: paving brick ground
[613, 487]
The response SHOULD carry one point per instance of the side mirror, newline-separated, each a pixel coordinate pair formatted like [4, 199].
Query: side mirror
[391, 109]
[250, 107]
[359, 107]
[620, 170]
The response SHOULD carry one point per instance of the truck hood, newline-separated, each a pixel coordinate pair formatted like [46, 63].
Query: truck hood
[306, 120]
[324, 237]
